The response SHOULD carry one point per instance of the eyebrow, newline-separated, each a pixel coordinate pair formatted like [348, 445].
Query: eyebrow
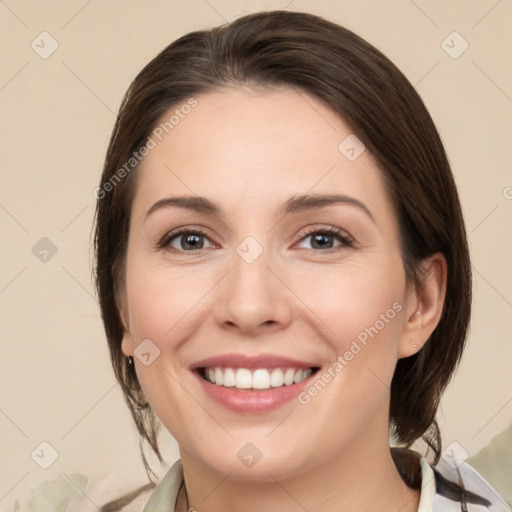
[295, 204]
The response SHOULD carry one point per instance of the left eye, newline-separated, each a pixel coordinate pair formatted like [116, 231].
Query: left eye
[325, 238]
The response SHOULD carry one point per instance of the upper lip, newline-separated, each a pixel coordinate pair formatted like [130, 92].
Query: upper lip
[251, 361]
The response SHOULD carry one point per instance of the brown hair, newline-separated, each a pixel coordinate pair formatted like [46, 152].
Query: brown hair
[311, 54]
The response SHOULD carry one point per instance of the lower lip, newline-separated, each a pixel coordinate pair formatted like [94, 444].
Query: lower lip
[252, 401]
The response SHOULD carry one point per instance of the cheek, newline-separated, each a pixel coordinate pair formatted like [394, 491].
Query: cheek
[162, 301]
[355, 301]
[162, 305]
[364, 313]
[362, 306]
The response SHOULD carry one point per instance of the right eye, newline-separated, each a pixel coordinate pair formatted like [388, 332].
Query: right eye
[185, 240]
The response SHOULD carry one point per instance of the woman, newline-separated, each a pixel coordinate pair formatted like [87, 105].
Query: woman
[284, 274]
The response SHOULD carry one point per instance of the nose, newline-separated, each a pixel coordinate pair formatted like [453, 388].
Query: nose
[253, 299]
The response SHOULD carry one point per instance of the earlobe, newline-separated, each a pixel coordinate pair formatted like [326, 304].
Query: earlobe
[426, 306]
[127, 344]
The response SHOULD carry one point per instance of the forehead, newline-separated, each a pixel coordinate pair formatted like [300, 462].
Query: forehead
[249, 148]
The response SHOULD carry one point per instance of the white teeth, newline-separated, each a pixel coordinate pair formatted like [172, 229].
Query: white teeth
[229, 378]
[261, 378]
[288, 376]
[243, 379]
[277, 378]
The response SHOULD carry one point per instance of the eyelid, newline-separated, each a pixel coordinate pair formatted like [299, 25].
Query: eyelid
[325, 229]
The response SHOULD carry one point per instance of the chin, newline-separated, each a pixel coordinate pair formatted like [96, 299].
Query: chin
[248, 465]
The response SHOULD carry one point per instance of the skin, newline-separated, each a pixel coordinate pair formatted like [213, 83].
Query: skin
[250, 151]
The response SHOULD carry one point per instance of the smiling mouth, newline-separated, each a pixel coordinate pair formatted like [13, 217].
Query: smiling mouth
[257, 379]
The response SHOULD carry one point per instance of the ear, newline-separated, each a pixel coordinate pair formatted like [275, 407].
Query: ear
[127, 345]
[424, 306]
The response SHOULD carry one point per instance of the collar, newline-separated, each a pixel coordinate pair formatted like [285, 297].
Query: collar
[163, 498]
[428, 487]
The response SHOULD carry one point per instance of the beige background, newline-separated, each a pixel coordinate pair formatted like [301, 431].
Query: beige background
[56, 117]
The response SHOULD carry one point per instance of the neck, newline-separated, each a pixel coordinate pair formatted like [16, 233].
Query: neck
[356, 480]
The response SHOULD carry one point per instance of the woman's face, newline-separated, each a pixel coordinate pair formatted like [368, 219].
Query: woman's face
[272, 283]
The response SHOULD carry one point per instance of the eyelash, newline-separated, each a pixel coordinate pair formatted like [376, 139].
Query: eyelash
[346, 241]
